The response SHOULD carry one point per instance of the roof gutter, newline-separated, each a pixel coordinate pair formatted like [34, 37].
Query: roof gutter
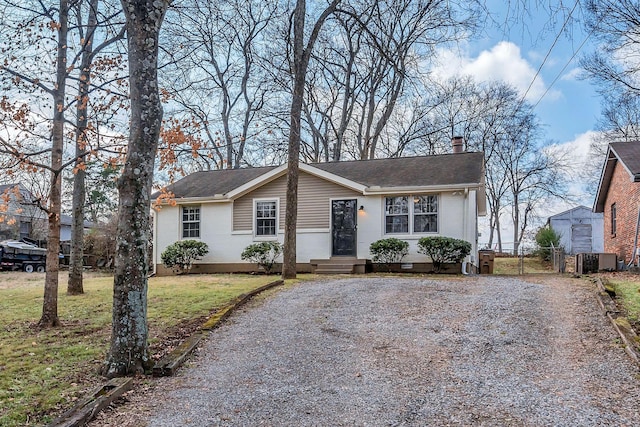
[369, 191]
[375, 190]
[217, 198]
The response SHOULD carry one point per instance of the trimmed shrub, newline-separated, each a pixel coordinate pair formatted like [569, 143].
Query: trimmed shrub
[443, 250]
[181, 255]
[264, 254]
[547, 237]
[387, 251]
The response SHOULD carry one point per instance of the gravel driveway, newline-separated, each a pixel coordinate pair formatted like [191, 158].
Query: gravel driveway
[393, 352]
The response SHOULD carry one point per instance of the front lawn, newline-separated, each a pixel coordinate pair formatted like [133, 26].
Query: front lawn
[44, 371]
[628, 295]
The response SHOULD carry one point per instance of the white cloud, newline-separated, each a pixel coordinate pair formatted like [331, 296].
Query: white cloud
[578, 150]
[535, 56]
[573, 74]
[503, 62]
[577, 154]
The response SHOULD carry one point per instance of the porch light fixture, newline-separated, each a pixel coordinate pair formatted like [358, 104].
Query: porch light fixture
[361, 208]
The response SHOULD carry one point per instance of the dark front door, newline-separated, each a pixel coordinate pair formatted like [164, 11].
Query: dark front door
[343, 230]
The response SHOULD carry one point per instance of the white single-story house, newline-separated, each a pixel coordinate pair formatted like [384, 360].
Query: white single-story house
[342, 208]
[581, 230]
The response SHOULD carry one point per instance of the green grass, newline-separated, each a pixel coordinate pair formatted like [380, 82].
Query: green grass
[44, 371]
[628, 294]
[510, 265]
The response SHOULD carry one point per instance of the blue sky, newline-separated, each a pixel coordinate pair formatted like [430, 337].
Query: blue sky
[567, 105]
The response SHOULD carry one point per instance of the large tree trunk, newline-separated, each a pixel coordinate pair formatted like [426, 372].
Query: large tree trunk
[76, 262]
[129, 352]
[50, 303]
[498, 233]
[492, 227]
[289, 269]
[301, 55]
[516, 224]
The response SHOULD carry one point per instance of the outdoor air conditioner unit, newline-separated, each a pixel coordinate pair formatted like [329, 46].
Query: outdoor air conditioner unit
[608, 262]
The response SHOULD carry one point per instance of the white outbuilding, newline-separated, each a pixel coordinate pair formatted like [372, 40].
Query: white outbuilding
[581, 230]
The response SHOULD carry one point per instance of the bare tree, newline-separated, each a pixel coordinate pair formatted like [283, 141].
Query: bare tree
[75, 285]
[129, 351]
[300, 55]
[614, 69]
[368, 65]
[330, 97]
[219, 44]
[493, 119]
[616, 25]
[50, 304]
[87, 53]
[19, 76]
[398, 30]
[46, 45]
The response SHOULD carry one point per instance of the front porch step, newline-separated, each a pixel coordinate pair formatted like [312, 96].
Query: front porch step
[334, 269]
[338, 265]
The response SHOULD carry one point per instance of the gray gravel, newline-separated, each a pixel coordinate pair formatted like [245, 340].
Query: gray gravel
[400, 352]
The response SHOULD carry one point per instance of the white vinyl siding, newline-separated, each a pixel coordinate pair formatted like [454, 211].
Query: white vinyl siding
[314, 194]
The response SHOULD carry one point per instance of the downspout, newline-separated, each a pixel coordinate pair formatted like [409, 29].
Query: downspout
[466, 211]
[154, 250]
[634, 251]
[465, 229]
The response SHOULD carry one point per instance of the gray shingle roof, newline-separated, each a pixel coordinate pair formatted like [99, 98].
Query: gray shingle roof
[210, 183]
[446, 169]
[629, 154]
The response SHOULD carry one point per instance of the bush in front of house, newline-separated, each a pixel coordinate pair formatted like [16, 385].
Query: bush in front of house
[547, 238]
[181, 255]
[444, 250]
[387, 251]
[264, 254]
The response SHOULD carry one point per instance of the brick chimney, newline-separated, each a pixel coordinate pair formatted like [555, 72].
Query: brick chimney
[457, 142]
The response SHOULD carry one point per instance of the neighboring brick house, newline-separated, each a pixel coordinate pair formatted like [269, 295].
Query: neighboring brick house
[618, 198]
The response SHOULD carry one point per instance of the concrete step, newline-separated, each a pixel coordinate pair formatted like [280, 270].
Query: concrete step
[338, 265]
[333, 269]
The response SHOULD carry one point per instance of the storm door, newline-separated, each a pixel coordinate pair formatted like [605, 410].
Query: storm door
[343, 227]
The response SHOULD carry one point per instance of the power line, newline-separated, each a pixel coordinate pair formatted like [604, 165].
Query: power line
[562, 70]
[564, 25]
